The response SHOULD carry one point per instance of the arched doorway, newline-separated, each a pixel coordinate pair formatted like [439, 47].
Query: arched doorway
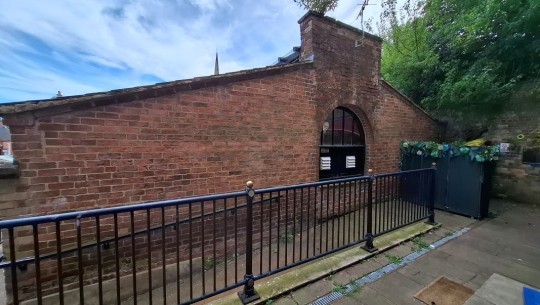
[342, 147]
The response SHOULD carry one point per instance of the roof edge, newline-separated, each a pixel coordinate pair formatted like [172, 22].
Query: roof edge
[408, 100]
[339, 23]
[150, 91]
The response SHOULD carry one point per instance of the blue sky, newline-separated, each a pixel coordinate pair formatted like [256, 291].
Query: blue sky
[98, 45]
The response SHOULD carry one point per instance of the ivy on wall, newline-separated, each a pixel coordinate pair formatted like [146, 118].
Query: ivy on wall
[439, 150]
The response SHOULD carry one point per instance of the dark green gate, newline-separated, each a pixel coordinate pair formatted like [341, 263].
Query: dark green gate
[462, 186]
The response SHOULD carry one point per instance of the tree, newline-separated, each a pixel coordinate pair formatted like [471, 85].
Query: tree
[319, 6]
[460, 58]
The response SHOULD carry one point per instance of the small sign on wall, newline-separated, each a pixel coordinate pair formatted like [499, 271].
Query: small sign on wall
[504, 147]
[325, 163]
[350, 162]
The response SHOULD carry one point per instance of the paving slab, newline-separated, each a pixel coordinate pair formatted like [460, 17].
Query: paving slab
[500, 290]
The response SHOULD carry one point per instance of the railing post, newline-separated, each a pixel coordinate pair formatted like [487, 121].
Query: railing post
[432, 190]
[249, 294]
[369, 247]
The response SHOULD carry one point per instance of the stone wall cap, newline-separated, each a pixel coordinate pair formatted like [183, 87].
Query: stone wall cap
[152, 91]
[339, 23]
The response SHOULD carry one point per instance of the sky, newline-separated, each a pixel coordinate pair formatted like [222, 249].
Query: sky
[88, 46]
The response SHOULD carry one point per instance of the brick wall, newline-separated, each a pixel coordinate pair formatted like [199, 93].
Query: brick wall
[347, 65]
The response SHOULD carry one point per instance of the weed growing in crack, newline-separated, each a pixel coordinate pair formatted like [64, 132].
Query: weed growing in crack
[420, 243]
[394, 259]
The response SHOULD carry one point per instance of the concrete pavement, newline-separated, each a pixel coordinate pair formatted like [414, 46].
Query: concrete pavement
[507, 244]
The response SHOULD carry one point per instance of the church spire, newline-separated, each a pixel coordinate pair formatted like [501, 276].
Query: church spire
[216, 67]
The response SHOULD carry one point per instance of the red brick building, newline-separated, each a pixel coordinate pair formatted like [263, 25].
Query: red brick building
[210, 134]
[328, 114]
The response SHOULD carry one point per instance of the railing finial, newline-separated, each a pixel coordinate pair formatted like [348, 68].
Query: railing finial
[370, 171]
[434, 165]
[249, 184]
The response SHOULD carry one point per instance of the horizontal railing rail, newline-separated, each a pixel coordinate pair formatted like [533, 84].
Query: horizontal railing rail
[194, 248]
[23, 261]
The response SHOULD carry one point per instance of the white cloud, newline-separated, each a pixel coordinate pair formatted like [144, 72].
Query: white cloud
[73, 45]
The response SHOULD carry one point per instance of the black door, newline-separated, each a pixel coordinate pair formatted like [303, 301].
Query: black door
[342, 150]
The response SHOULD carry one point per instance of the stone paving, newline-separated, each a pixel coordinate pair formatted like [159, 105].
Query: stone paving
[507, 244]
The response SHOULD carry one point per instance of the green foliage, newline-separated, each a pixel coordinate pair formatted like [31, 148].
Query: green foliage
[438, 150]
[269, 302]
[465, 59]
[287, 237]
[319, 6]
[394, 259]
[339, 288]
[420, 243]
[208, 263]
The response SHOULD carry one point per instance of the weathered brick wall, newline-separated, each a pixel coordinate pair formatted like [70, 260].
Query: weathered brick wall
[513, 179]
[347, 65]
[197, 142]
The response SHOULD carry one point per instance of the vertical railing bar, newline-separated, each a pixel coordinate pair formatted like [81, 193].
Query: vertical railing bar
[320, 217]
[375, 202]
[387, 202]
[13, 260]
[261, 240]
[400, 202]
[419, 195]
[133, 258]
[432, 193]
[333, 213]
[369, 226]
[350, 212]
[339, 228]
[214, 259]
[307, 227]
[394, 199]
[59, 264]
[314, 220]
[225, 241]
[149, 254]
[278, 228]
[190, 216]
[100, 275]
[163, 254]
[411, 204]
[346, 213]
[37, 263]
[327, 220]
[236, 240]
[79, 260]
[203, 257]
[294, 228]
[339, 238]
[417, 201]
[301, 222]
[248, 294]
[270, 208]
[381, 204]
[177, 250]
[286, 227]
[362, 205]
[356, 226]
[116, 258]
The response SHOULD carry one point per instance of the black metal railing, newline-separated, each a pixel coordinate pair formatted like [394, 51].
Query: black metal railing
[183, 251]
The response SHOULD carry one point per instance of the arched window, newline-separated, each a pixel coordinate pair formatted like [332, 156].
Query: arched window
[342, 147]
